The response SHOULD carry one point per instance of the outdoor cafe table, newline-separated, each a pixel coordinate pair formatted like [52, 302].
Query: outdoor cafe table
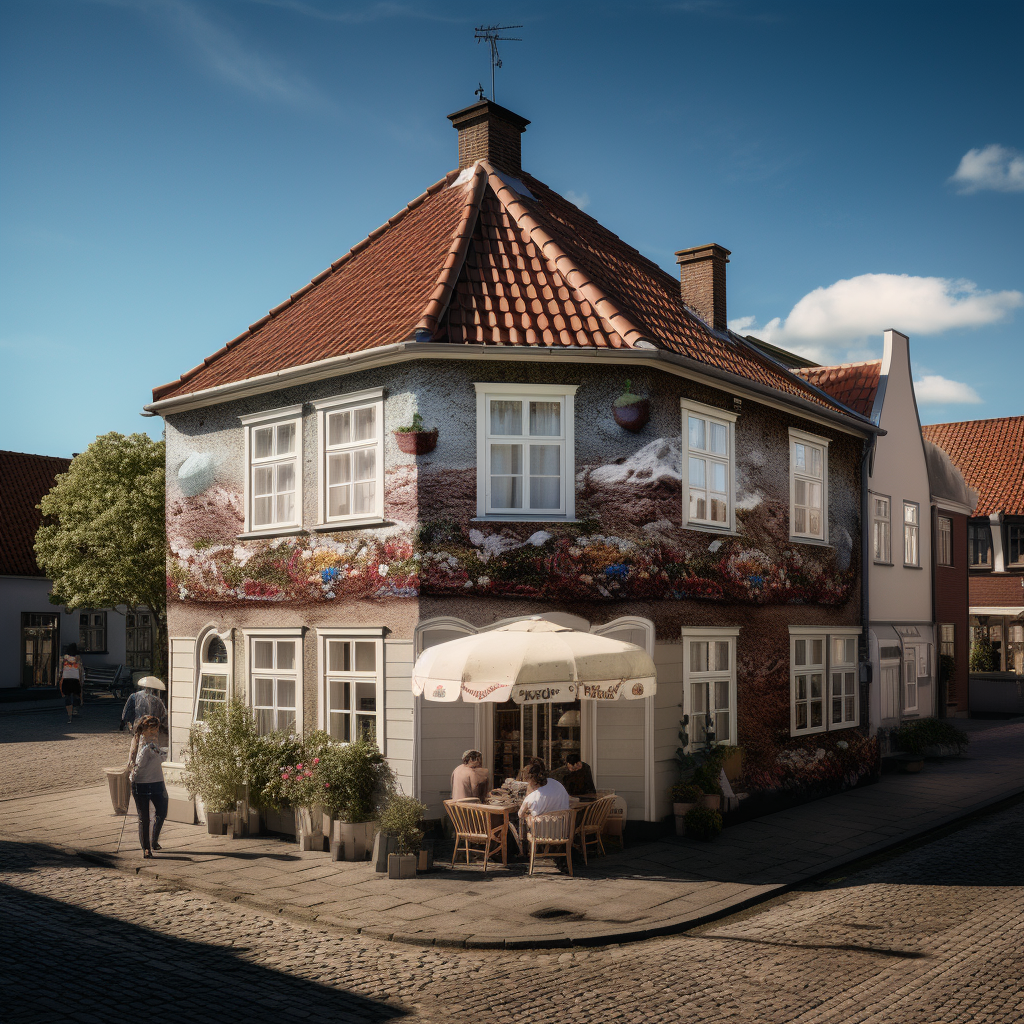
[505, 812]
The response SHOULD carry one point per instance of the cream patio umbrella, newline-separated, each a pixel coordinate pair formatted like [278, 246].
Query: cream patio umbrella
[531, 662]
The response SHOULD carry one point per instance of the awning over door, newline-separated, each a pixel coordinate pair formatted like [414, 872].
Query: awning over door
[532, 662]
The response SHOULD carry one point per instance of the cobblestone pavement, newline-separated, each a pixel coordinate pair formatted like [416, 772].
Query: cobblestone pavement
[929, 935]
[41, 750]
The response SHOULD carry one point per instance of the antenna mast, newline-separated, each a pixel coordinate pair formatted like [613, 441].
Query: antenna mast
[491, 34]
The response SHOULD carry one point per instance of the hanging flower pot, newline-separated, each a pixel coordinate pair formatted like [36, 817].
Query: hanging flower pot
[414, 440]
[631, 412]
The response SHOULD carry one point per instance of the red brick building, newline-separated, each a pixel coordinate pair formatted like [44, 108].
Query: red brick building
[990, 455]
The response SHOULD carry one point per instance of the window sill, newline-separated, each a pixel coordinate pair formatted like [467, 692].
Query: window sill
[521, 519]
[350, 524]
[906, 565]
[288, 531]
[813, 542]
[876, 562]
[716, 530]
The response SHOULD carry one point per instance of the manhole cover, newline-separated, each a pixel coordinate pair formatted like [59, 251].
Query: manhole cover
[547, 913]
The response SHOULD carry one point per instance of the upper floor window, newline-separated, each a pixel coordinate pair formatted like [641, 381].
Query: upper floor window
[881, 529]
[92, 632]
[273, 494]
[1015, 545]
[351, 449]
[526, 462]
[808, 486]
[911, 533]
[979, 542]
[709, 436]
[944, 556]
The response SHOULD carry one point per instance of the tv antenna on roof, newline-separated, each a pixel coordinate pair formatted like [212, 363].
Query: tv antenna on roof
[491, 34]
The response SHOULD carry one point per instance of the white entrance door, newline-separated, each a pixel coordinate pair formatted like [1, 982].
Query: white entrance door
[890, 691]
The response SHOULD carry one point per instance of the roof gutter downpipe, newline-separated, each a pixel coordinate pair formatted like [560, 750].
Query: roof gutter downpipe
[865, 593]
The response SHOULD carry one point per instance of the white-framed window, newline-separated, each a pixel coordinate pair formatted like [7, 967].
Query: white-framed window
[526, 460]
[350, 441]
[352, 684]
[275, 679]
[881, 529]
[709, 682]
[138, 640]
[808, 486]
[214, 672]
[823, 679]
[842, 682]
[911, 664]
[944, 556]
[911, 533]
[709, 440]
[273, 455]
[92, 632]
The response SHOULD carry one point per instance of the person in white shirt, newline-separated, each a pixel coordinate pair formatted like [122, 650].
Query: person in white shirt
[145, 769]
[543, 795]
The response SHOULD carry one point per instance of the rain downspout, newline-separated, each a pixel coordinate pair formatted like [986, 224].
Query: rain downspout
[865, 603]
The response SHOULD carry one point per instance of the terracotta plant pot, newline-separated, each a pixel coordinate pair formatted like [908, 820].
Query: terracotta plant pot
[416, 442]
[425, 859]
[634, 416]
[402, 865]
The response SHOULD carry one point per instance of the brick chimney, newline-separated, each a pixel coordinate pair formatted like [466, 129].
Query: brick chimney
[702, 277]
[492, 133]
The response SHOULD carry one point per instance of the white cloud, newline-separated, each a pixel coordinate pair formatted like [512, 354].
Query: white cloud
[581, 199]
[849, 313]
[997, 168]
[935, 390]
[742, 324]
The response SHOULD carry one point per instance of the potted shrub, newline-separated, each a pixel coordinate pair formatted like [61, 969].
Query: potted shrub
[685, 796]
[706, 777]
[414, 440]
[214, 768]
[355, 781]
[703, 823]
[631, 412]
[302, 789]
[401, 818]
[264, 758]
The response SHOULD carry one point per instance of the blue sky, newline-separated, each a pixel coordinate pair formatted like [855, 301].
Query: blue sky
[172, 169]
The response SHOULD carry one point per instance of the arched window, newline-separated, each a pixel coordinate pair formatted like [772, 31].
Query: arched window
[213, 675]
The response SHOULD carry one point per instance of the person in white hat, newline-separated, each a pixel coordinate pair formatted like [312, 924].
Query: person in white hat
[145, 701]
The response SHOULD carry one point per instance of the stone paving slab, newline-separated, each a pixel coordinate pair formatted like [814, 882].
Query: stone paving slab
[653, 889]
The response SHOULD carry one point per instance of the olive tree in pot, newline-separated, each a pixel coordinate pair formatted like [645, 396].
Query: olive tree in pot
[215, 762]
[356, 782]
[401, 818]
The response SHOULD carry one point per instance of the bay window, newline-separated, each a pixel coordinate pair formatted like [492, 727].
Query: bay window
[526, 463]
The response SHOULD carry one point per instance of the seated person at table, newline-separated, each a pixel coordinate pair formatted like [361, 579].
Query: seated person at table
[577, 778]
[543, 795]
[470, 779]
[524, 772]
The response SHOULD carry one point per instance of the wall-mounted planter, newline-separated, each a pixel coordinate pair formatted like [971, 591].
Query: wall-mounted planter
[416, 442]
[631, 412]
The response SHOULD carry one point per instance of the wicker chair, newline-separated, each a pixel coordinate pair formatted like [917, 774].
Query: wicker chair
[592, 823]
[551, 830]
[474, 827]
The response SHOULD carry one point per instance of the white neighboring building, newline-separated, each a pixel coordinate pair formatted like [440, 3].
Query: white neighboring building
[902, 634]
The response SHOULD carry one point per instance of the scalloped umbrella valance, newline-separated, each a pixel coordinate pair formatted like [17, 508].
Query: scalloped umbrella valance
[531, 662]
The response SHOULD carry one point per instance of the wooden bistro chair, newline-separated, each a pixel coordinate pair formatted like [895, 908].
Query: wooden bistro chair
[474, 827]
[553, 833]
[592, 823]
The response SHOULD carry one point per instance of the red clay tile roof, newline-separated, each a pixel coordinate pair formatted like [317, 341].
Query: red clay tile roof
[853, 384]
[990, 455]
[474, 261]
[25, 479]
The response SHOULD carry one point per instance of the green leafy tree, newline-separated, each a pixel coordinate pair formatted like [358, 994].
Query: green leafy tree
[983, 656]
[102, 540]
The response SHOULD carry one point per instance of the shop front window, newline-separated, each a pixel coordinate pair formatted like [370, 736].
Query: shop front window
[549, 731]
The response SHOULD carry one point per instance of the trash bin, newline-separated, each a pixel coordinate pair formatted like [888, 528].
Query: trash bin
[120, 789]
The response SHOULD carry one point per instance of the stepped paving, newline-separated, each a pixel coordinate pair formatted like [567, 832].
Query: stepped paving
[644, 890]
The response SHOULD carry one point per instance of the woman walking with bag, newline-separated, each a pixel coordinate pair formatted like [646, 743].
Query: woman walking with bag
[71, 676]
[145, 769]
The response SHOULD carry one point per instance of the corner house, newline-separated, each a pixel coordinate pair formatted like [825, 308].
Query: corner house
[591, 444]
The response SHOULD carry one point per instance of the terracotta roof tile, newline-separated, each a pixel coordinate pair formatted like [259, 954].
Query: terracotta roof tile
[853, 384]
[471, 261]
[990, 456]
[25, 479]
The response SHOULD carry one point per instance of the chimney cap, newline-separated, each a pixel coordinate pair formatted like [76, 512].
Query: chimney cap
[482, 108]
[703, 252]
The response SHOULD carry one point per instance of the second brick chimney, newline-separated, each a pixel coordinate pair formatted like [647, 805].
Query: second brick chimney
[492, 133]
[702, 278]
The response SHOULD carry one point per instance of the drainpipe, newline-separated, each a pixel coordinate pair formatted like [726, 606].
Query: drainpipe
[865, 603]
